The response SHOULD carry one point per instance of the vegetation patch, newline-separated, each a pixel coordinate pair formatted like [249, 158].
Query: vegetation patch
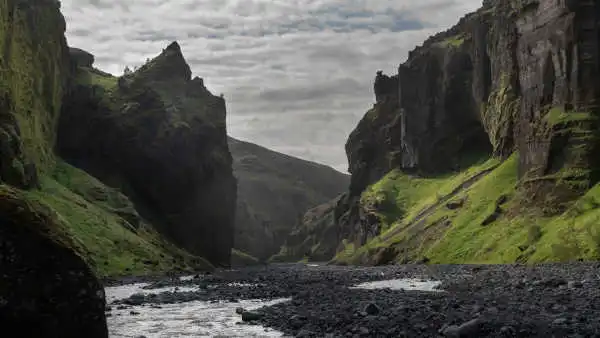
[558, 115]
[93, 77]
[460, 230]
[32, 75]
[240, 258]
[111, 243]
[499, 113]
[398, 198]
[574, 234]
[453, 41]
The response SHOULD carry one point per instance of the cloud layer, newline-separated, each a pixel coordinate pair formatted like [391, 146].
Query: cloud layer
[297, 74]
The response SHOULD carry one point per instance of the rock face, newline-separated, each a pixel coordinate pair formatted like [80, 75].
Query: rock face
[274, 190]
[46, 288]
[34, 70]
[81, 58]
[316, 237]
[158, 135]
[511, 77]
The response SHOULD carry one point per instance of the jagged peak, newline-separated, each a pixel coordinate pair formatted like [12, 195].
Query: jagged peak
[385, 86]
[174, 46]
[168, 65]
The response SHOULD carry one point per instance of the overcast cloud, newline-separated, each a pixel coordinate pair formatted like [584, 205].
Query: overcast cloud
[297, 74]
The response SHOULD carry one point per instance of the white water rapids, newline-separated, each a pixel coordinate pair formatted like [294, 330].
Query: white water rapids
[206, 319]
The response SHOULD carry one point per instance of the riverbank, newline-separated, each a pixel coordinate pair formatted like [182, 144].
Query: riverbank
[560, 300]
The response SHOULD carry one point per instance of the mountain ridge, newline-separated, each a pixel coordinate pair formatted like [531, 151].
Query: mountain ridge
[274, 190]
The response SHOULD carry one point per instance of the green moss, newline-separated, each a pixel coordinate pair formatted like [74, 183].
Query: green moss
[112, 244]
[347, 254]
[458, 235]
[240, 258]
[92, 77]
[557, 116]
[498, 114]
[398, 198]
[15, 205]
[32, 74]
[372, 114]
[453, 41]
[574, 234]
[467, 240]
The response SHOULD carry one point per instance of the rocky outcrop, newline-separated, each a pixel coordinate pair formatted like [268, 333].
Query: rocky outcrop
[34, 70]
[513, 76]
[558, 60]
[316, 237]
[159, 136]
[46, 287]
[81, 58]
[274, 190]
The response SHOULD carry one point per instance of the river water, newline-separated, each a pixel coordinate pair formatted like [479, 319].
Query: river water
[206, 319]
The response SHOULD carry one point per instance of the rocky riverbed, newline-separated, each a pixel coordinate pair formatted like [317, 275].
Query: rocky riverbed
[554, 300]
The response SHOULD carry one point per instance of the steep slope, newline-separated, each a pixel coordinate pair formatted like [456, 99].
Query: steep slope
[47, 288]
[512, 77]
[116, 240]
[274, 190]
[158, 136]
[43, 271]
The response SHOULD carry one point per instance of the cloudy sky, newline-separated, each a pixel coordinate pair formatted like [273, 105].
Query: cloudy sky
[297, 74]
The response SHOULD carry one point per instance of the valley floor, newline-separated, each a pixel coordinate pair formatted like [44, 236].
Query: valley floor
[549, 300]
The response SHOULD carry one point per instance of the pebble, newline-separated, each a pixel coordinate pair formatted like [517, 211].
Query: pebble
[494, 301]
[372, 309]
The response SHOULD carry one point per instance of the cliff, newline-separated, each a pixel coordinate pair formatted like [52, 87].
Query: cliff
[274, 190]
[157, 135]
[517, 81]
[46, 286]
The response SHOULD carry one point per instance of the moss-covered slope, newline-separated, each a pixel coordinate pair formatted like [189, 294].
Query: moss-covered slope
[478, 216]
[115, 239]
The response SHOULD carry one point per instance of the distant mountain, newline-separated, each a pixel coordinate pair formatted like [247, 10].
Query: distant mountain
[274, 192]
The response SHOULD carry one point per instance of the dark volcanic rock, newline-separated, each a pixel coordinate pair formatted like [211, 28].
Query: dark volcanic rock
[512, 76]
[46, 288]
[559, 65]
[274, 191]
[160, 137]
[316, 237]
[486, 301]
[81, 58]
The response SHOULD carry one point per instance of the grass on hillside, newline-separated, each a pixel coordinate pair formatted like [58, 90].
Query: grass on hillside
[113, 245]
[574, 234]
[461, 235]
[240, 258]
[453, 41]
[399, 197]
[92, 77]
[557, 115]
